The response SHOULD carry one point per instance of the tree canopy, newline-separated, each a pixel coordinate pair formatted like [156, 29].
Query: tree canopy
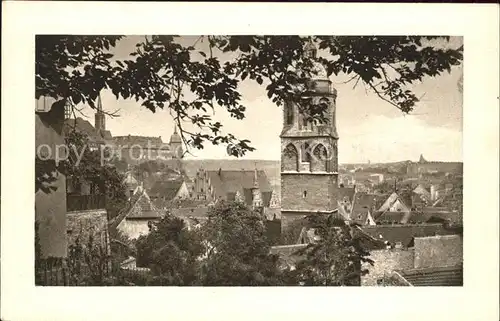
[84, 166]
[231, 249]
[162, 73]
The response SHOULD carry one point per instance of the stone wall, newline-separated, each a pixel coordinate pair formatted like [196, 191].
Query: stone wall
[386, 261]
[306, 192]
[82, 224]
[438, 251]
[287, 219]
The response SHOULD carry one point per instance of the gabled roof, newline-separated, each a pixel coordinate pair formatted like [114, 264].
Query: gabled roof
[139, 140]
[144, 209]
[166, 189]
[364, 203]
[138, 207]
[232, 181]
[393, 198]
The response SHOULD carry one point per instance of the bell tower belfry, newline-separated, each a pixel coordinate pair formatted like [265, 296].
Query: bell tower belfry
[309, 160]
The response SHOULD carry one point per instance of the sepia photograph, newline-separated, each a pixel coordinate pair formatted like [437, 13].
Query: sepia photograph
[248, 160]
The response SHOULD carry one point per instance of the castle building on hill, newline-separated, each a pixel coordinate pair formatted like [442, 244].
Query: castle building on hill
[424, 166]
[309, 160]
[131, 149]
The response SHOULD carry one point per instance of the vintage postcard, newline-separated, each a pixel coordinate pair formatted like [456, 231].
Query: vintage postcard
[184, 161]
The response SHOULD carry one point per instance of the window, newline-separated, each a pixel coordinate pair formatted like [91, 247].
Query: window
[304, 194]
[306, 157]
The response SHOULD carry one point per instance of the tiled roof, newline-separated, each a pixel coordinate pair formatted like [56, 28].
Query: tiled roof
[139, 140]
[165, 190]
[363, 203]
[113, 223]
[393, 217]
[404, 233]
[438, 276]
[144, 209]
[232, 181]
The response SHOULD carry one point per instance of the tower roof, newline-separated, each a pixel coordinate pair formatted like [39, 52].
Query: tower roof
[175, 138]
[99, 104]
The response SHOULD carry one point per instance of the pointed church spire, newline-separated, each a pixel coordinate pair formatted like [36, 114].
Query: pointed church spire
[99, 104]
[100, 118]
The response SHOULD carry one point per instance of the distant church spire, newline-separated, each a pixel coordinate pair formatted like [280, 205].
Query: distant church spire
[99, 104]
[100, 117]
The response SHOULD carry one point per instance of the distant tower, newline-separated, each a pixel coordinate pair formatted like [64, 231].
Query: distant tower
[256, 196]
[176, 144]
[309, 160]
[100, 117]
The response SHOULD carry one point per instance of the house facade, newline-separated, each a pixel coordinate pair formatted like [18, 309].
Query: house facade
[135, 220]
[50, 194]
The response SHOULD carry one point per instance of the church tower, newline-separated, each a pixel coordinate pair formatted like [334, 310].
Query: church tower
[176, 144]
[309, 166]
[100, 117]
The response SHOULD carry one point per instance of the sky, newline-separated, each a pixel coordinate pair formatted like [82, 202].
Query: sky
[369, 128]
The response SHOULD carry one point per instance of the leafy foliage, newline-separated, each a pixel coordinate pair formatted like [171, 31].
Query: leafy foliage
[89, 263]
[171, 251]
[162, 73]
[238, 251]
[86, 166]
[333, 260]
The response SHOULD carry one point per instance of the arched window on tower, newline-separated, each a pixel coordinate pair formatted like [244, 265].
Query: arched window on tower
[305, 155]
[290, 158]
[320, 159]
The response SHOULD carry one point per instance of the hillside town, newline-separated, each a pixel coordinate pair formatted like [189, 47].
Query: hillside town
[408, 215]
